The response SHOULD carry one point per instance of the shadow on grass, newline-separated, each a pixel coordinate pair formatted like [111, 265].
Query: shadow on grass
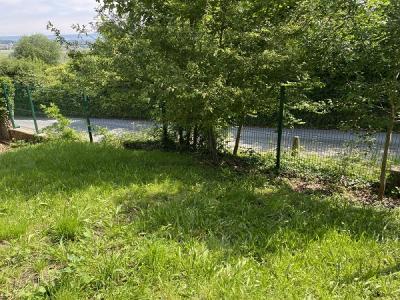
[245, 221]
[373, 273]
[177, 198]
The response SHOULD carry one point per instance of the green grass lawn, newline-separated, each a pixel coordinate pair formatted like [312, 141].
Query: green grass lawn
[80, 221]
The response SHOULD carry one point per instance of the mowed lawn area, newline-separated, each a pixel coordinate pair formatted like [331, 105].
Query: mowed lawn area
[81, 221]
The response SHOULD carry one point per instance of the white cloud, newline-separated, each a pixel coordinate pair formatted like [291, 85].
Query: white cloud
[31, 16]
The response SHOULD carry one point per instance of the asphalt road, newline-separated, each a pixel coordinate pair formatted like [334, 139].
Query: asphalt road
[322, 142]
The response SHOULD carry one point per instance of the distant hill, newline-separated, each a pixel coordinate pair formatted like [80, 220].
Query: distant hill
[69, 37]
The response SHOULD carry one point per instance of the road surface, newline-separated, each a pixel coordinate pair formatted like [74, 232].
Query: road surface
[322, 142]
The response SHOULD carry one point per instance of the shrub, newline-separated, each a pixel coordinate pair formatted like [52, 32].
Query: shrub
[23, 70]
[66, 227]
[60, 129]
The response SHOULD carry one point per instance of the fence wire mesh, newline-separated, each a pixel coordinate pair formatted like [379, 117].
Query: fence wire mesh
[347, 151]
[303, 147]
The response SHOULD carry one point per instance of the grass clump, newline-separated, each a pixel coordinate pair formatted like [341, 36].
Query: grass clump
[163, 225]
[67, 227]
[11, 229]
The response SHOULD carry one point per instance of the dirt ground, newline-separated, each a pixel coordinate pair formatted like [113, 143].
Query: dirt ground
[4, 148]
[365, 195]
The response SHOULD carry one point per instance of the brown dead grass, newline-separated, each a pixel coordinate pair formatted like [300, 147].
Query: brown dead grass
[364, 196]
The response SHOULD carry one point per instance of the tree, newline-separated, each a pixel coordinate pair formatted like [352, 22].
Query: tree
[378, 40]
[203, 65]
[356, 42]
[38, 47]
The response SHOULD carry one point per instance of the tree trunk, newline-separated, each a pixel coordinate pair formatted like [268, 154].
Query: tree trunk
[188, 138]
[180, 137]
[195, 137]
[4, 126]
[212, 144]
[165, 137]
[388, 141]
[238, 135]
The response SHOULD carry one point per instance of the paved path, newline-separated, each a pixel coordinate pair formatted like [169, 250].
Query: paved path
[326, 142]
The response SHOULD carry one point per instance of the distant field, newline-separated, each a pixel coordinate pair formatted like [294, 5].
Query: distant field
[4, 53]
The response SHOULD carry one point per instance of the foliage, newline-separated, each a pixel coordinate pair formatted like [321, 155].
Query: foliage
[38, 47]
[23, 70]
[61, 129]
[150, 140]
[208, 65]
[353, 46]
[6, 83]
[6, 104]
[21, 144]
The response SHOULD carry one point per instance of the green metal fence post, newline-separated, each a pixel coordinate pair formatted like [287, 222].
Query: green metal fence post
[28, 91]
[86, 107]
[8, 105]
[282, 98]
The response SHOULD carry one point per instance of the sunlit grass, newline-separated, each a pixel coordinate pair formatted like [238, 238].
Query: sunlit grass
[82, 221]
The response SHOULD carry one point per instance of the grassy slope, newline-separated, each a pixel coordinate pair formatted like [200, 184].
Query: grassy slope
[79, 220]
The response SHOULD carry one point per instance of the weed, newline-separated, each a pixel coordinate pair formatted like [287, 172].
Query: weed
[61, 129]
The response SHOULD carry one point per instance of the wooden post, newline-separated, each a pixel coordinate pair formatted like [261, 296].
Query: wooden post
[296, 146]
[237, 140]
[386, 149]
[393, 181]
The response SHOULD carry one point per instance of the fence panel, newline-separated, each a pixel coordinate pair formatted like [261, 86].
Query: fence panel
[30, 115]
[303, 147]
[351, 153]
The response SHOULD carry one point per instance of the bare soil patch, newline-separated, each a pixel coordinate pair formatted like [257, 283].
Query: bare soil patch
[4, 147]
[366, 195]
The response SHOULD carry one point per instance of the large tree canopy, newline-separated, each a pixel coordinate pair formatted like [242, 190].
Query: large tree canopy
[201, 65]
[359, 59]
[38, 47]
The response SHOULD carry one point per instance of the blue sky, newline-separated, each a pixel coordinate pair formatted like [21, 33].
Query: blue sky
[19, 17]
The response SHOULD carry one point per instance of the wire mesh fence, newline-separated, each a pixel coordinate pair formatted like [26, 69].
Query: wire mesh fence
[350, 152]
[356, 152]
